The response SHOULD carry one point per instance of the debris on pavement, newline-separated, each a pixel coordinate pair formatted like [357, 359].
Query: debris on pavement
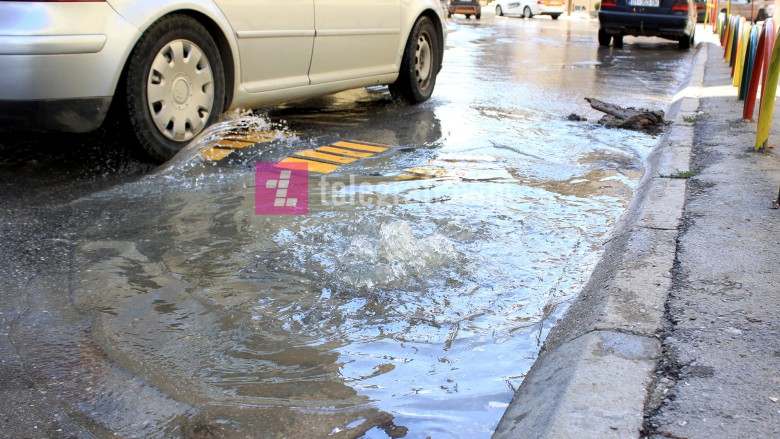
[627, 118]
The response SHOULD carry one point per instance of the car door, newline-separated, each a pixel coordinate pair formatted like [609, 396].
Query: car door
[355, 39]
[275, 41]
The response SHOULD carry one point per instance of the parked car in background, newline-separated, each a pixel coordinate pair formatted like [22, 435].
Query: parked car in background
[171, 68]
[670, 19]
[758, 10]
[467, 8]
[701, 10]
[529, 8]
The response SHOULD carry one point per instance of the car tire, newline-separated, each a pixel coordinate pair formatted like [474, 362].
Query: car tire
[617, 41]
[419, 65]
[555, 16]
[499, 11]
[167, 103]
[685, 42]
[604, 38]
[527, 12]
[449, 14]
[479, 16]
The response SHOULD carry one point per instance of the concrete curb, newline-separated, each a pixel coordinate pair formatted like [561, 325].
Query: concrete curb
[593, 375]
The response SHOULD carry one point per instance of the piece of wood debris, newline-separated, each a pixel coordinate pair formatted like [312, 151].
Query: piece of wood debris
[628, 118]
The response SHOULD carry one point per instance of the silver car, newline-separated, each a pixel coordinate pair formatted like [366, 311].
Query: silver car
[171, 67]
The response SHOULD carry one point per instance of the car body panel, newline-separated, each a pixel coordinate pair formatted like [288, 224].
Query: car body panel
[275, 47]
[281, 51]
[464, 8]
[43, 57]
[662, 21]
[701, 10]
[361, 43]
[516, 7]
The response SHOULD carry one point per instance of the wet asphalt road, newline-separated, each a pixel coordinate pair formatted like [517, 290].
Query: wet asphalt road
[73, 202]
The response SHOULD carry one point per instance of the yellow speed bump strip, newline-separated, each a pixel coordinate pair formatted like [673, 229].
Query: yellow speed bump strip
[319, 167]
[238, 140]
[345, 152]
[322, 160]
[215, 154]
[362, 146]
[327, 159]
[257, 136]
[230, 143]
[309, 153]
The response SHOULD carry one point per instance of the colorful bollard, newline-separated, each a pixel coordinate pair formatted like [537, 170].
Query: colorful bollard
[750, 59]
[757, 74]
[768, 96]
[739, 62]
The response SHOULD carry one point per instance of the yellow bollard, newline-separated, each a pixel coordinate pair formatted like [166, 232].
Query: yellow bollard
[768, 97]
[741, 54]
[729, 38]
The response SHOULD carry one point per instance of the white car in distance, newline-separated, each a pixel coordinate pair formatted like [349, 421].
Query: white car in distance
[529, 8]
[172, 67]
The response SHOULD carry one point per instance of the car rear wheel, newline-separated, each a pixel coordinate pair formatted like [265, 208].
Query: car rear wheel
[420, 64]
[175, 85]
[527, 12]
[604, 38]
[499, 11]
[686, 42]
[617, 41]
[478, 16]
[555, 16]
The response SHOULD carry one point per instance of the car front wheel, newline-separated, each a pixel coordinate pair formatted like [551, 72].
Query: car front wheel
[527, 12]
[175, 85]
[499, 11]
[419, 65]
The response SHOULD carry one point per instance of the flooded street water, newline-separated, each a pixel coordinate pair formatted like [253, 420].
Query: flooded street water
[412, 297]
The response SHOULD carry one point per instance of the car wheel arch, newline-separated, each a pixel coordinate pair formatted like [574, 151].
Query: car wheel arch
[439, 31]
[227, 49]
[406, 31]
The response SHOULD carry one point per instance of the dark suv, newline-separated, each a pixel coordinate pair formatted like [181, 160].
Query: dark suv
[670, 19]
[467, 8]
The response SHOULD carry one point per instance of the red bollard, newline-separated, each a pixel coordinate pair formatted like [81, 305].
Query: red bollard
[756, 74]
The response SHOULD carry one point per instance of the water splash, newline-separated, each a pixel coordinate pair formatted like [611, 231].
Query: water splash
[393, 259]
[232, 123]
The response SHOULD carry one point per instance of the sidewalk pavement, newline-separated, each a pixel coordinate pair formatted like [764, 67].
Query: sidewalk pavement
[677, 334]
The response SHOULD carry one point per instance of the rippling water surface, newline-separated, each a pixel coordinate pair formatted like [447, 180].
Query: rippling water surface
[409, 301]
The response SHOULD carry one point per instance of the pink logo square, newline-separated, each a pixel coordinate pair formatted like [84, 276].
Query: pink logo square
[281, 188]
